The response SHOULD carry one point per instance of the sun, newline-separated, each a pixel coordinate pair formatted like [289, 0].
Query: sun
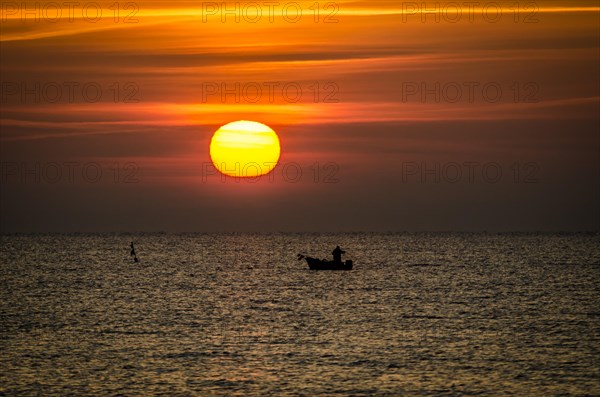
[245, 149]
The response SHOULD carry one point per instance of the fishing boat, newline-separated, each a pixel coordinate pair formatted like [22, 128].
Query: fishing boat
[318, 264]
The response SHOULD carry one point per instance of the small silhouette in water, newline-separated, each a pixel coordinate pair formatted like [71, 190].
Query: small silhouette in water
[135, 258]
[337, 254]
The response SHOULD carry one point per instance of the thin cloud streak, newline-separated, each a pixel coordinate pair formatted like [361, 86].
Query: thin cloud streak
[177, 115]
[158, 16]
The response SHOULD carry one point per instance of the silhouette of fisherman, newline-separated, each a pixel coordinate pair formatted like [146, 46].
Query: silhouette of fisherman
[337, 254]
[135, 259]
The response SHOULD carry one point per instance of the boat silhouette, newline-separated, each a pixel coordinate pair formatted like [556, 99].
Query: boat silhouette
[322, 264]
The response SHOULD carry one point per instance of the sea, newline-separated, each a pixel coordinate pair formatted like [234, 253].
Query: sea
[421, 314]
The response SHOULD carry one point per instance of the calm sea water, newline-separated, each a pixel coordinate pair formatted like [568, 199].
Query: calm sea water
[237, 314]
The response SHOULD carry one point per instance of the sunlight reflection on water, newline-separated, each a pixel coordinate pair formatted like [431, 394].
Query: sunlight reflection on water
[236, 314]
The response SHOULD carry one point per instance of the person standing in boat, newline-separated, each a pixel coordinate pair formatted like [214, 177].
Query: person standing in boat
[337, 254]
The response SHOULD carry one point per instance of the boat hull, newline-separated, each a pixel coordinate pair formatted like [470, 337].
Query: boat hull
[317, 264]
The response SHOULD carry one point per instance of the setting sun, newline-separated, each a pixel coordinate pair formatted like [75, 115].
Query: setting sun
[245, 149]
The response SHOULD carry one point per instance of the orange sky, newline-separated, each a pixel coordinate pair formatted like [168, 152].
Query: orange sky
[367, 85]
